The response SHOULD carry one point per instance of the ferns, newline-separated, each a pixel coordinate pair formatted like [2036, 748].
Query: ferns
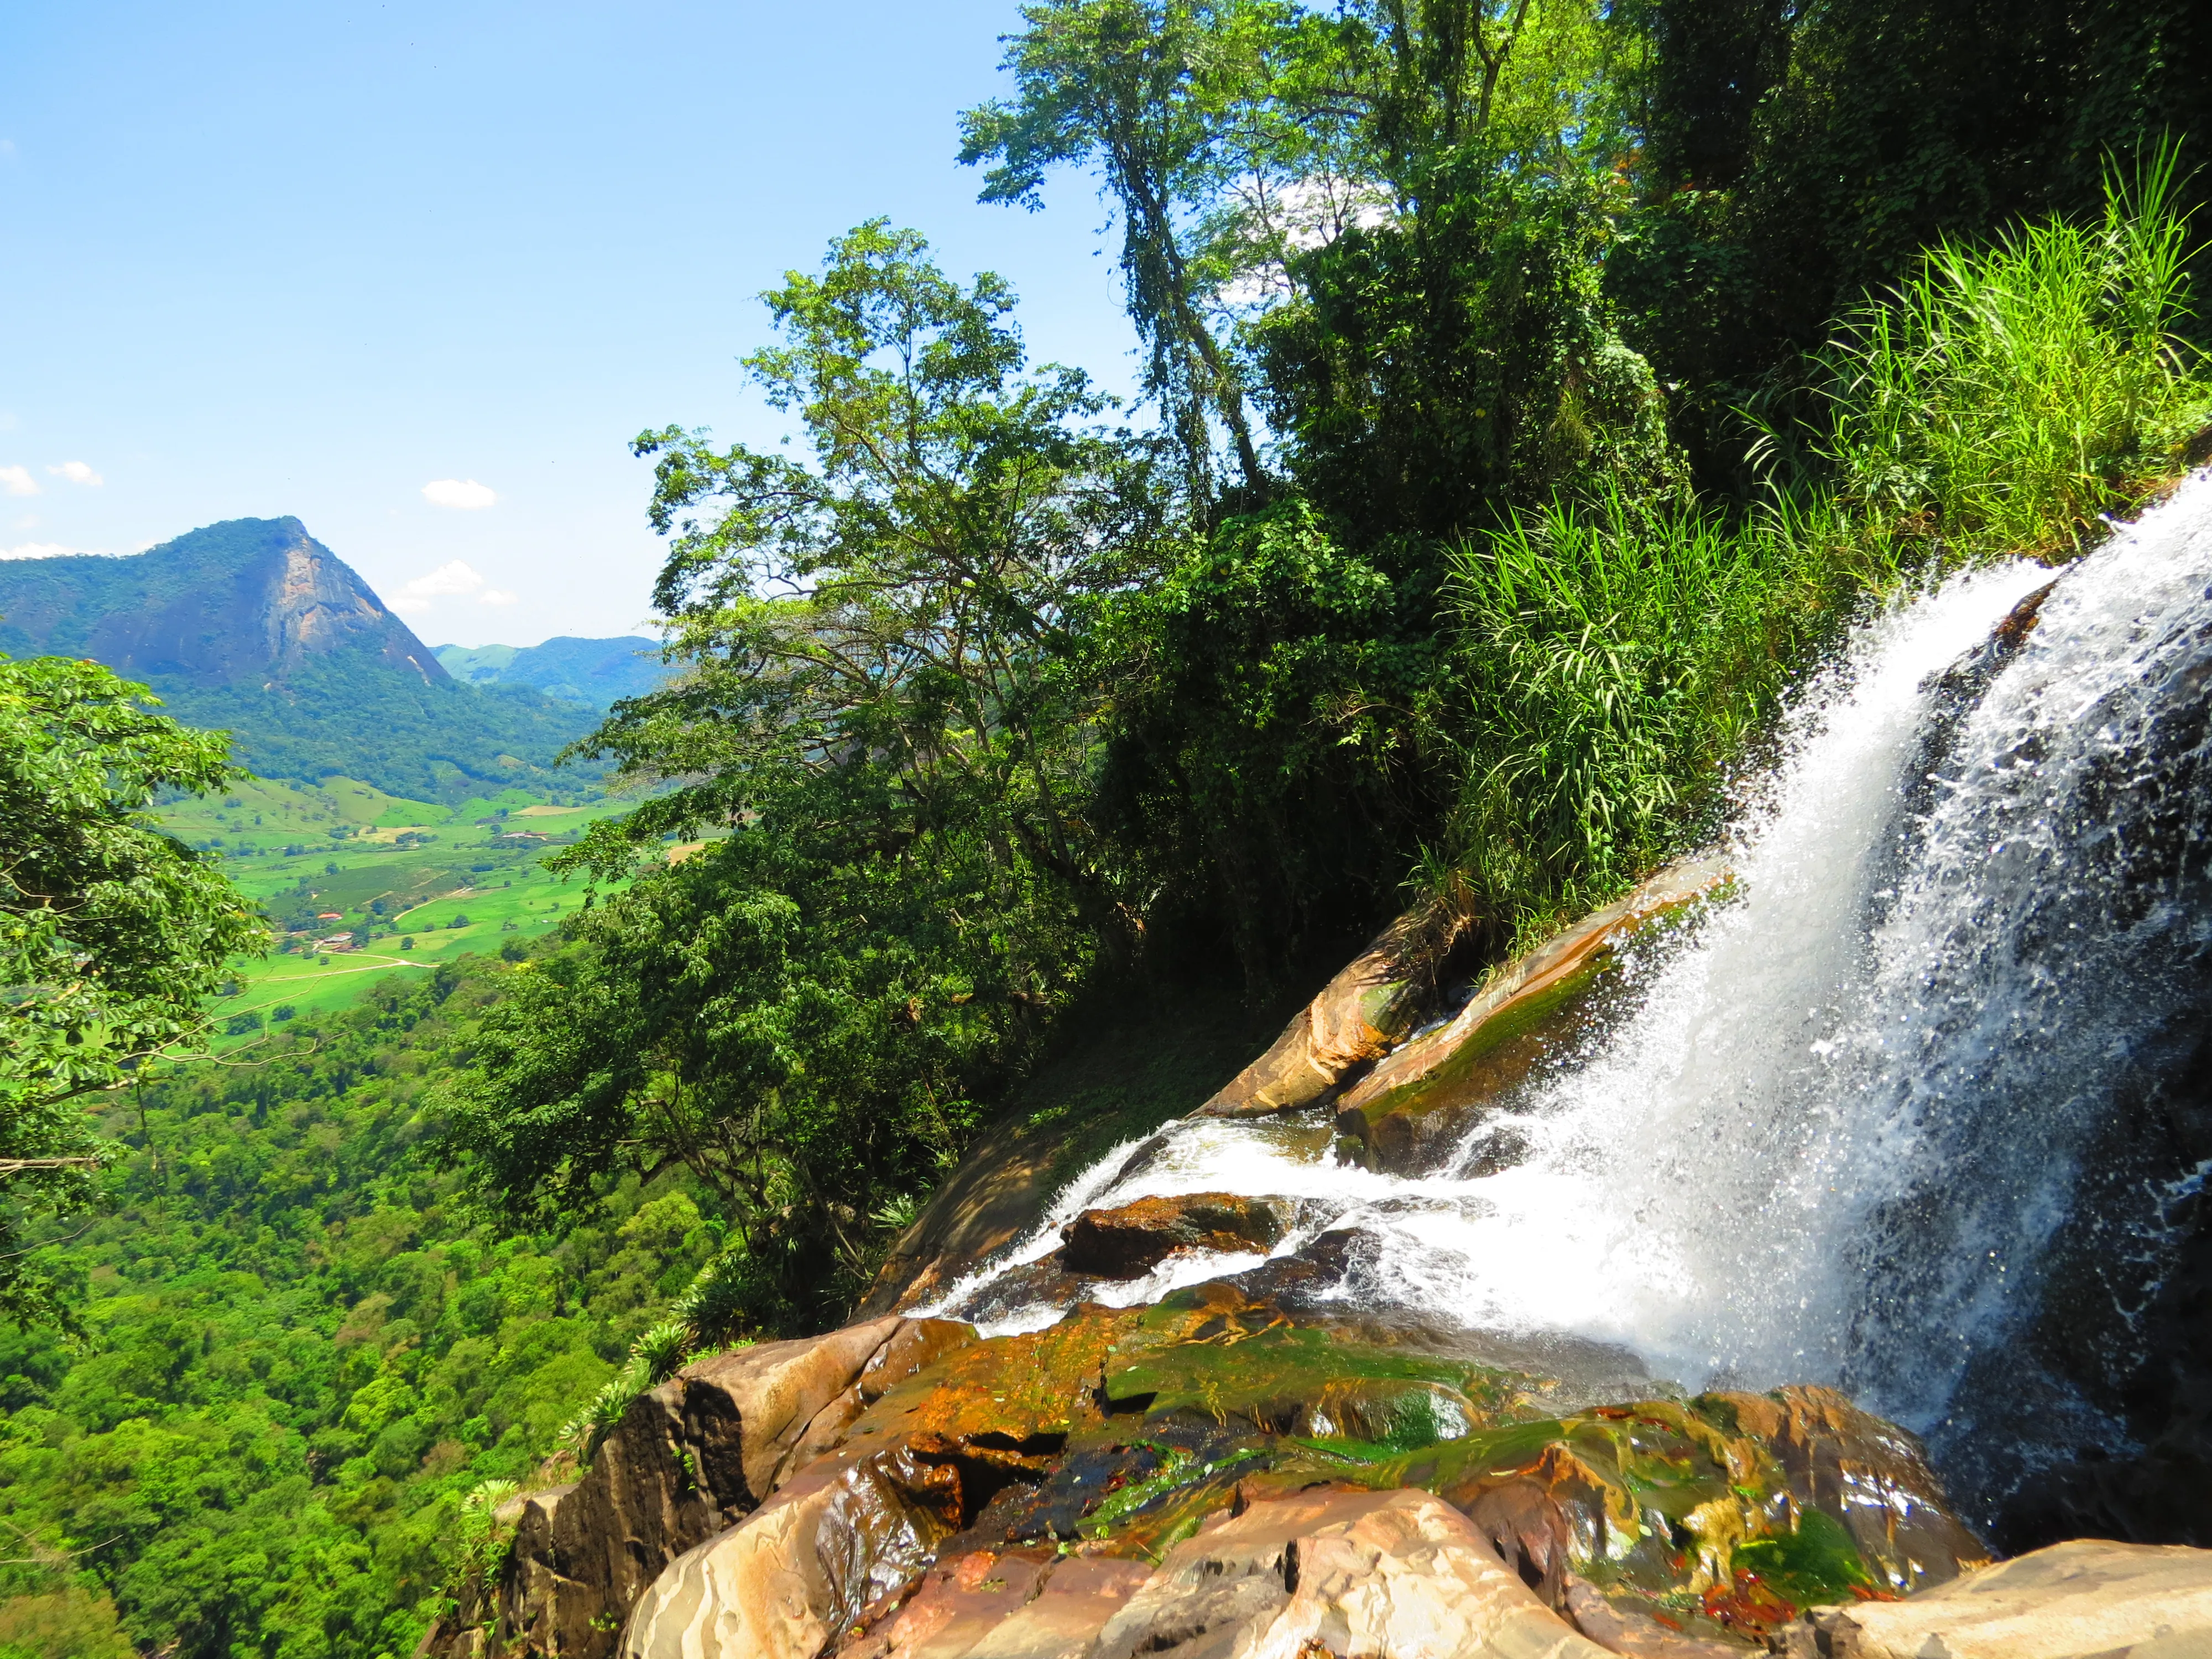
[704, 1318]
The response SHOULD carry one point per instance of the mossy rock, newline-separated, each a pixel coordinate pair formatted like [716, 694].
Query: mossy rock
[1408, 1115]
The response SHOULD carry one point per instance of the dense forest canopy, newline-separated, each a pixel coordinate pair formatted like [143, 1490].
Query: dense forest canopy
[1532, 390]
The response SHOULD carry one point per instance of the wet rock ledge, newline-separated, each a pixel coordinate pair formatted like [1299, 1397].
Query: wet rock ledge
[1222, 1473]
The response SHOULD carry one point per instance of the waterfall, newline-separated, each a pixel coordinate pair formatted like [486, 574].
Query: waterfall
[1857, 1123]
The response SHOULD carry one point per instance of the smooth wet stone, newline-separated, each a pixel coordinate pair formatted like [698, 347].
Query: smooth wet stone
[1524, 1523]
[1340, 1571]
[1409, 1114]
[1129, 1241]
[2088, 1599]
[1063, 1619]
[956, 1604]
[846, 1535]
[1637, 1634]
[688, 1459]
[1372, 1003]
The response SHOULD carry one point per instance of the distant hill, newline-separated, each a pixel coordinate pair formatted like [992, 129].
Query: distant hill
[253, 626]
[595, 672]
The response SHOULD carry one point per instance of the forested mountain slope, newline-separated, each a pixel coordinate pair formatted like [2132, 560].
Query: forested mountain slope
[253, 626]
[303, 1350]
[597, 672]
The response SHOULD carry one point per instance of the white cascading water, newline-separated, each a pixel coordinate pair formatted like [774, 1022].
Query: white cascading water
[1844, 1114]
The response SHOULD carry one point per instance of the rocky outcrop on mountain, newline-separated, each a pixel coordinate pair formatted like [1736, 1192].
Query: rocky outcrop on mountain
[246, 600]
[255, 628]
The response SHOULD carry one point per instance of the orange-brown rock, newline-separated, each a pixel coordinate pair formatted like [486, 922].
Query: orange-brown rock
[1131, 1240]
[1416, 1105]
[1357, 1015]
[1063, 1619]
[1340, 1571]
[847, 1533]
[956, 1604]
[688, 1459]
[1638, 1635]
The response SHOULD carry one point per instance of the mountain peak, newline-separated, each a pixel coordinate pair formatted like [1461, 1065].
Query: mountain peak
[244, 599]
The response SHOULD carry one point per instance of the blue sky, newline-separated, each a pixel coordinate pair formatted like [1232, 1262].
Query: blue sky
[310, 260]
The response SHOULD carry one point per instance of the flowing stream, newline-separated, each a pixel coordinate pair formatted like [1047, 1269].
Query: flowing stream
[1842, 1128]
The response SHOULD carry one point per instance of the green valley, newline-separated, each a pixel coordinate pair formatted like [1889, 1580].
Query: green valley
[1580, 509]
[361, 885]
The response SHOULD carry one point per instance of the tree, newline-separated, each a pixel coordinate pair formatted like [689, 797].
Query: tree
[1166, 98]
[111, 932]
[884, 725]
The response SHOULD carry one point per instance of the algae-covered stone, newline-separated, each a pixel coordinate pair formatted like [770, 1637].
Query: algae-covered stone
[1283, 1379]
[1726, 1515]
[1131, 1433]
[1415, 1107]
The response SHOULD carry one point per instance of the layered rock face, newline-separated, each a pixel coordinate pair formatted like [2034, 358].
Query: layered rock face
[688, 1460]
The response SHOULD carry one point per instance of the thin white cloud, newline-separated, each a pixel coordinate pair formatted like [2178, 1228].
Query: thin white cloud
[18, 481]
[465, 493]
[77, 473]
[456, 578]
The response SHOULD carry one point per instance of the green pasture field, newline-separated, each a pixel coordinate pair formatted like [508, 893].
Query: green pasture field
[425, 883]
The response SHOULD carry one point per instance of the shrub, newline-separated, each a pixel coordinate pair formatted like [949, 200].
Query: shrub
[459, 921]
[407, 942]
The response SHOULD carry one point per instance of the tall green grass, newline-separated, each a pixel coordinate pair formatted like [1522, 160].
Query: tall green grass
[1616, 658]
[1619, 660]
[2006, 396]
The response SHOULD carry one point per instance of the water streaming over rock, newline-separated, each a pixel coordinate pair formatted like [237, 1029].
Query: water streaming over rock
[1891, 1116]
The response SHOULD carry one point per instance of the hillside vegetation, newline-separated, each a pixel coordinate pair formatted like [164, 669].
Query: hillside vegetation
[1532, 394]
[253, 627]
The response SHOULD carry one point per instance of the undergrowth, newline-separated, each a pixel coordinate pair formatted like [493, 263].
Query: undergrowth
[1620, 659]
